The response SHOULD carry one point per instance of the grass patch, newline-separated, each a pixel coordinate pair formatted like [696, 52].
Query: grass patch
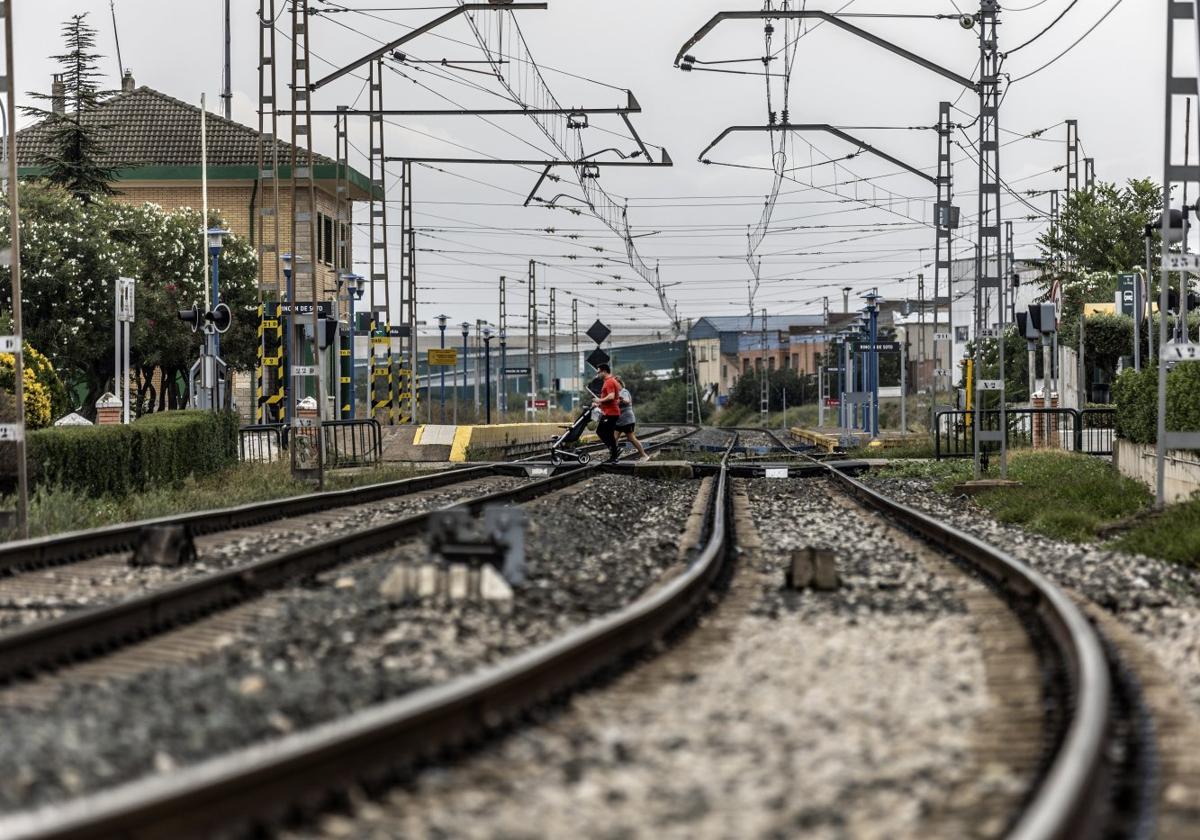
[1174, 535]
[53, 510]
[1062, 495]
[913, 449]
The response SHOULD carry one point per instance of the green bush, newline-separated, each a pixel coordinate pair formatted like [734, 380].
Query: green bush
[1136, 397]
[158, 450]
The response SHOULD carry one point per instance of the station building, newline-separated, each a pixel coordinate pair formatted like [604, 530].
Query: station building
[153, 141]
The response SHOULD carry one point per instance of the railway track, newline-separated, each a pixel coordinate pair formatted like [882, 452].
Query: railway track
[50, 577]
[1094, 744]
[28, 650]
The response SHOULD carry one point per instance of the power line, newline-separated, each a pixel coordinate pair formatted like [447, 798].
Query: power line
[1046, 29]
[1076, 43]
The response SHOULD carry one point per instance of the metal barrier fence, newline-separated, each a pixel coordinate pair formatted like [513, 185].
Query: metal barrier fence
[262, 443]
[352, 443]
[1090, 431]
[348, 443]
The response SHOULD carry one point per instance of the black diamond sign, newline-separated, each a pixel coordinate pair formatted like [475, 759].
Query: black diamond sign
[597, 357]
[597, 332]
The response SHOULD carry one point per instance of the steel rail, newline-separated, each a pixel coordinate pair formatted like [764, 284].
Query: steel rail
[57, 549]
[60, 549]
[1065, 802]
[26, 650]
[264, 781]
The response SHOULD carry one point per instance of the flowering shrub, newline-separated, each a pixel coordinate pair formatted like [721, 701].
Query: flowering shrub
[45, 396]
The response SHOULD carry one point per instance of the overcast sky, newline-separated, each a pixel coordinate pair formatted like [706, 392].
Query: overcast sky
[695, 217]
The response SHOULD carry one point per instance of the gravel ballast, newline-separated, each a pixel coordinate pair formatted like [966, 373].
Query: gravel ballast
[820, 714]
[50, 593]
[1158, 600]
[337, 644]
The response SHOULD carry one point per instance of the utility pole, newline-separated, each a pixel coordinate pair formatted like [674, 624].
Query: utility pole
[273, 404]
[845, 300]
[532, 337]
[575, 363]
[920, 335]
[1072, 157]
[502, 391]
[553, 351]
[1010, 274]
[1174, 231]
[383, 369]
[307, 458]
[16, 345]
[990, 258]
[943, 266]
[765, 403]
[227, 86]
[1089, 169]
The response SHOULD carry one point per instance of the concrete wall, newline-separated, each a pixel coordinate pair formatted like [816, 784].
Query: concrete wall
[1137, 461]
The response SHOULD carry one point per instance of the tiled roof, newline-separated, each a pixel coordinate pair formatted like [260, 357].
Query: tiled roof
[144, 127]
[744, 323]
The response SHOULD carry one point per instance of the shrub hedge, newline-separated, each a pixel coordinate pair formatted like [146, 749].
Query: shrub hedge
[1136, 397]
[158, 450]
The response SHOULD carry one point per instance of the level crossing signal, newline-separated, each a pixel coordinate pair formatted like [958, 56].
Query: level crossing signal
[221, 318]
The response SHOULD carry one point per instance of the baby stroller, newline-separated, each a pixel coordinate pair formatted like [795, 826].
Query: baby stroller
[573, 433]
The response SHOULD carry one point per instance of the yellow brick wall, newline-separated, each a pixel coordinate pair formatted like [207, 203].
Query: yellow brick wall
[232, 202]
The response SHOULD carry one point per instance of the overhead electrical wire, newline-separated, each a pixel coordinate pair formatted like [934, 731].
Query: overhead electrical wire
[1073, 45]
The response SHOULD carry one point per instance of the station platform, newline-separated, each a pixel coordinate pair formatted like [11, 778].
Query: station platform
[830, 439]
[459, 444]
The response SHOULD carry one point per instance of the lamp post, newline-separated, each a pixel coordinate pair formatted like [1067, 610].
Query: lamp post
[487, 374]
[286, 315]
[873, 299]
[466, 333]
[442, 319]
[216, 242]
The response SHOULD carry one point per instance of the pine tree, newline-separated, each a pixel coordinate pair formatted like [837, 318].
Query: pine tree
[77, 158]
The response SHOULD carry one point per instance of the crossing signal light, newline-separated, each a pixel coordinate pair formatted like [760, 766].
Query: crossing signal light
[191, 317]
[221, 318]
[1193, 302]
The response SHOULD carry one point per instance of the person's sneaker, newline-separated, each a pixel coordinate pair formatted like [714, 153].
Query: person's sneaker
[644, 458]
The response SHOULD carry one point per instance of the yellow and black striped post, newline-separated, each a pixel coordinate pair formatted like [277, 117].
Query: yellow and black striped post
[270, 384]
[381, 370]
[260, 369]
[405, 398]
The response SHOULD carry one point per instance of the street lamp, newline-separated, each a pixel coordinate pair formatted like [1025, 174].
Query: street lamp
[286, 315]
[466, 332]
[442, 319]
[487, 373]
[216, 242]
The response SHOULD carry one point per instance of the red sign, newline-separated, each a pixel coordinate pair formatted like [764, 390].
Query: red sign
[541, 403]
[832, 402]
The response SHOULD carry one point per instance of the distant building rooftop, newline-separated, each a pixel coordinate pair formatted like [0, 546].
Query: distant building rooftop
[148, 135]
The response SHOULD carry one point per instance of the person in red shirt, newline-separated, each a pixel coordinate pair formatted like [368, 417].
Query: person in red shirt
[610, 411]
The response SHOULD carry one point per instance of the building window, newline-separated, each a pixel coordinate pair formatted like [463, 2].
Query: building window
[344, 246]
[724, 372]
[745, 365]
[324, 239]
[771, 363]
